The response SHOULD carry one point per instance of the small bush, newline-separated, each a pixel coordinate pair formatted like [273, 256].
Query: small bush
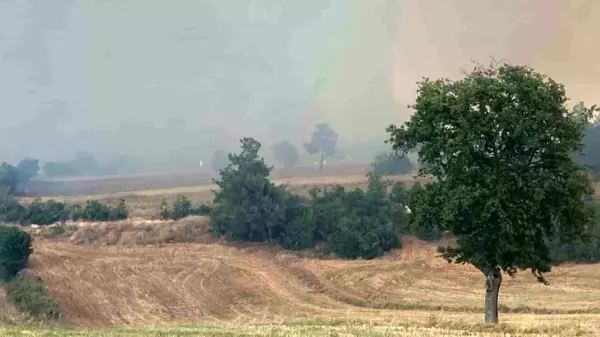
[10, 209]
[202, 209]
[357, 223]
[363, 236]
[391, 163]
[97, 211]
[45, 213]
[15, 248]
[118, 212]
[29, 296]
[181, 208]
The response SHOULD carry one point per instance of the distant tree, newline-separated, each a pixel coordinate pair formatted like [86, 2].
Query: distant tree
[220, 160]
[499, 143]
[323, 141]
[58, 169]
[9, 177]
[27, 169]
[286, 154]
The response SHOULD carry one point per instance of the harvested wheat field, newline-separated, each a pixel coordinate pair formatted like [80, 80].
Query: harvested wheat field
[248, 290]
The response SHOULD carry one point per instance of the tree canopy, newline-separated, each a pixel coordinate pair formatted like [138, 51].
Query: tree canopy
[323, 141]
[286, 154]
[500, 145]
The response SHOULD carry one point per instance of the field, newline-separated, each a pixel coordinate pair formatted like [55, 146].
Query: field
[139, 274]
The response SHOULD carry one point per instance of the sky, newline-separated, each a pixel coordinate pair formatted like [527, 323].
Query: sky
[165, 79]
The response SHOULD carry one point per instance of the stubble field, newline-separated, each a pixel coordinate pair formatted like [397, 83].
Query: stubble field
[106, 277]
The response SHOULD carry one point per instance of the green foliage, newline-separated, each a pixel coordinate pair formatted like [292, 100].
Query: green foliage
[499, 143]
[300, 233]
[27, 169]
[9, 178]
[398, 193]
[286, 154]
[423, 203]
[585, 250]
[357, 223]
[590, 156]
[94, 210]
[10, 209]
[323, 141]
[45, 213]
[248, 206]
[181, 208]
[15, 248]
[83, 165]
[220, 160]
[391, 163]
[49, 212]
[29, 296]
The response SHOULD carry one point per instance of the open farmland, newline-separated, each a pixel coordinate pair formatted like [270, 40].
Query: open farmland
[145, 182]
[148, 275]
[235, 290]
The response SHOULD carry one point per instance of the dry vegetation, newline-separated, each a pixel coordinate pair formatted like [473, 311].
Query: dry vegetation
[212, 283]
[139, 273]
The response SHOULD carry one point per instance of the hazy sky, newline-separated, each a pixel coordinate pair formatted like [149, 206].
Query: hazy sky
[151, 77]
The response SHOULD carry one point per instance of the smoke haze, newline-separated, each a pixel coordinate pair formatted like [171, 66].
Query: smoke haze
[163, 80]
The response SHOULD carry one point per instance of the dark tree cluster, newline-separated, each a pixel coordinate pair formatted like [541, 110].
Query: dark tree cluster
[15, 178]
[249, 207]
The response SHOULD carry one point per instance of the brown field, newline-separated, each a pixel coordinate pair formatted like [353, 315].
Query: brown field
[140, 273]
[216, 283]
[145, 182]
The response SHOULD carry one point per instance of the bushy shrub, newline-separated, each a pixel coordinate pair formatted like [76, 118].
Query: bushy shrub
[15, 248]
[97, 211]
[357, 223]
[300, 233]
[181, 208]
[367, 237]
[29, 296]
[391, 163]
[10, 209]
[45, 213]
[248, 206]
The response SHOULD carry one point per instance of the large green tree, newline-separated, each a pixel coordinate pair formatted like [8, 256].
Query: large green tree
[499, 143]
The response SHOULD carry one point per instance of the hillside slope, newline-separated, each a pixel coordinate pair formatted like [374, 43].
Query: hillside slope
[181, 283]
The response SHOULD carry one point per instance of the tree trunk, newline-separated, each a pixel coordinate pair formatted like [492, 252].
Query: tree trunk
[493, 280]
[322, 158]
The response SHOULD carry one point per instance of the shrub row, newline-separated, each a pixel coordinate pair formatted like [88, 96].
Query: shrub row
[356, 223]
[26, 294]
[182, 207]
[48, 212]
